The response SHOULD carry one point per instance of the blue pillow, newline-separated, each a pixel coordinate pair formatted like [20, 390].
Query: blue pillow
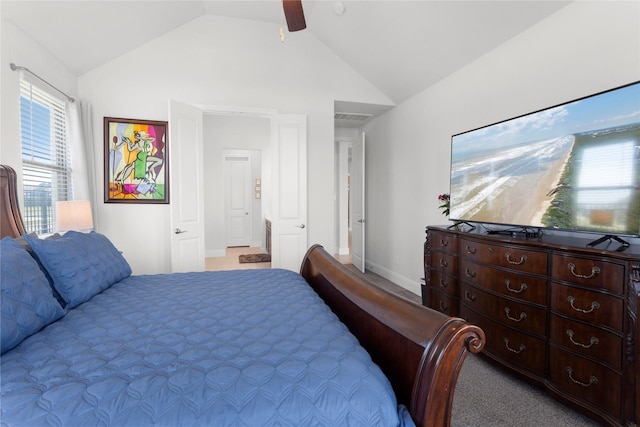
[80, 264]
[22, 241]
[27, 301]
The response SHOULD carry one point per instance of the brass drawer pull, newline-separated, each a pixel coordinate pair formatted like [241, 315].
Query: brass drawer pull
[594, 272]
[594, 305]
[443, 263]
[523, 286]
[469, 273]
[593, 341]
[523, 258]
[592, 379]
[444, 283]
[520, 349]
[469, 297]
[444, 243]
[471, 250]
[523, 315]
[443, 307]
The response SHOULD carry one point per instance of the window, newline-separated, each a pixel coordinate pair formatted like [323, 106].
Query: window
[46, 162]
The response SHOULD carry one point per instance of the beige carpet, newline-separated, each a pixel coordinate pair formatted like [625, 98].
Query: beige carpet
[485, 396]
[230, 260]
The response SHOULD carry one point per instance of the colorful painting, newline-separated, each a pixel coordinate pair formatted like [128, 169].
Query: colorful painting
[136, 167]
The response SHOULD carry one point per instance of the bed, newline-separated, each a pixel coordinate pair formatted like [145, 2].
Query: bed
[85, 342]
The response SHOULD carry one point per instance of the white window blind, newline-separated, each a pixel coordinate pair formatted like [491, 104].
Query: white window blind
[46, 161]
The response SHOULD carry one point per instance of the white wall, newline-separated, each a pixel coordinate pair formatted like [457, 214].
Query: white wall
[584, 48]
[209, 61]
[17, 47]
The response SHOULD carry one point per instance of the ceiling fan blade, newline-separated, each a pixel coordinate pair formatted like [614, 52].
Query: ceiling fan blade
[294, 15]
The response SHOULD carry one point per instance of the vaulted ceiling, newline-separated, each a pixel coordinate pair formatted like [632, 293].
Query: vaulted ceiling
[401, 47]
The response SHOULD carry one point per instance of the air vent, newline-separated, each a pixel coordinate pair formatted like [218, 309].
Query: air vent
[357, 117]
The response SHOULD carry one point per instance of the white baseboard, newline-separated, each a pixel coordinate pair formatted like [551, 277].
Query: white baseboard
[411, 285]
[214, 253]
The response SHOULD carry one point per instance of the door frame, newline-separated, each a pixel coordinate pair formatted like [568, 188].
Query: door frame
[273, 115]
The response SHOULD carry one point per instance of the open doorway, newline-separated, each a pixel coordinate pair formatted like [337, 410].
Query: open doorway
[236, 150]
[343, 192]
[284, 183]
[350, 123]
[350, 172]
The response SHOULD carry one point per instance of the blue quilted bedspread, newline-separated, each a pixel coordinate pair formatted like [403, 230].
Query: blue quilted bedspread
[236, 348]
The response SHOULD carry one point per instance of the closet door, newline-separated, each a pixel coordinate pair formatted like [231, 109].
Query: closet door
[289, 202]
[238, 194]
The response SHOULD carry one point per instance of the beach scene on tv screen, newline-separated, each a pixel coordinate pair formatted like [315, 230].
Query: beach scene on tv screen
[574, 167]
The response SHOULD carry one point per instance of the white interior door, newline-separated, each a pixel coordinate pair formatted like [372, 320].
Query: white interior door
[187, 192]
[358, 204]
[289, 191]
[238, 192]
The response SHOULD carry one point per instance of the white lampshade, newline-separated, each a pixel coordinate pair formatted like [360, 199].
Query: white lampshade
[74, 215]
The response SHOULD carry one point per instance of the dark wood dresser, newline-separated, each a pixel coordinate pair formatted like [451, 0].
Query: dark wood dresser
[557, 313]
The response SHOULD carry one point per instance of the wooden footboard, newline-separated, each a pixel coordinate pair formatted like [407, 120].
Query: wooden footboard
[420, 350]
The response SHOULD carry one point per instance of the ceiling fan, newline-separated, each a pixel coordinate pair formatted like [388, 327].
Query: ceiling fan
[294, 15]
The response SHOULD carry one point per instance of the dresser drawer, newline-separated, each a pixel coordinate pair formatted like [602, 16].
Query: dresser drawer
[442, 302]
[587, 340]
[513, 257]
[590, 272]
[586, 380]
[518, 315]
[444, 262]
[444, 282]
[555, 311]
[516, 285]
[445, 242]
[508, 344]
[587, 305]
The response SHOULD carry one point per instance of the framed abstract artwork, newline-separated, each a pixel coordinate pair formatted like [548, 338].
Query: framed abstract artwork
[136, 165]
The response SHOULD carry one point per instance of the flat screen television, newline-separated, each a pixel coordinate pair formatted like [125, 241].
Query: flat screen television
[573, 166]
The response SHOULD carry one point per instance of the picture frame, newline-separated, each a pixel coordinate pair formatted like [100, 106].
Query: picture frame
[136, 161]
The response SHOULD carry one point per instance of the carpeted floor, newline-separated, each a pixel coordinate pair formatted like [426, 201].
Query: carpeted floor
[485, 396]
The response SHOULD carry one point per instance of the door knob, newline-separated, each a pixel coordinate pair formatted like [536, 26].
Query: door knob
[361, 221]
[300, 226]
[178, 231]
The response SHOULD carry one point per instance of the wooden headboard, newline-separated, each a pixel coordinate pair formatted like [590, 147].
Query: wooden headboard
[10, 217]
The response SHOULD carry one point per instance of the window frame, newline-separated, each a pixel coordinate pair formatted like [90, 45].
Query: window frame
[45, 154]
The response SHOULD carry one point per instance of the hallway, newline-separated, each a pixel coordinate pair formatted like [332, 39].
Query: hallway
[230, 260]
